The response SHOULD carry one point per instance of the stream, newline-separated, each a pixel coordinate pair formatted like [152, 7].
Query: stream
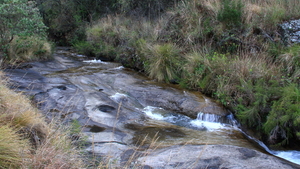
[119, 108]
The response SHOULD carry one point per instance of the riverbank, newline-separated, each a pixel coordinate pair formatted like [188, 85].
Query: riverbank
[232, 51]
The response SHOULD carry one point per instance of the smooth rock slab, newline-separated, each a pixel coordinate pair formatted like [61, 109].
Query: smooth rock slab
[212, 156]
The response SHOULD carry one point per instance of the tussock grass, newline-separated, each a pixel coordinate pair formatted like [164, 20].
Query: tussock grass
[12, 148]
[27, 141]
[17, 111]
[164, 62]
[24, 49]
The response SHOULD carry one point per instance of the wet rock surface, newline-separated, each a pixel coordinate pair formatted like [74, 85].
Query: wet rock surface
[109, 102]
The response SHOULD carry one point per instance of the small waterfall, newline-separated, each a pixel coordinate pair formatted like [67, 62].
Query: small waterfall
[211, 121]
[208, 117]
[214, 118]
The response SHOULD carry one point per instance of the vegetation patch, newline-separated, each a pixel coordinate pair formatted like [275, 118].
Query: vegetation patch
[25, 49]
[22, 32]
[230, 50]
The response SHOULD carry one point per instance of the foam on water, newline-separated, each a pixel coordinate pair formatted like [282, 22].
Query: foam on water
[208, 117]
[208, 125]
[118, 97]
[150, 112]
[94, 61]
[119, 68]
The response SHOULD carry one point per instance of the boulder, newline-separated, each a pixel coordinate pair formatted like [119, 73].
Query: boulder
[290, 31]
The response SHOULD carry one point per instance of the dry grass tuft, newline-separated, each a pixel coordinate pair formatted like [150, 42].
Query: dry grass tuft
[164, 62]
[56, 152]
[13, 148]
[251, 13]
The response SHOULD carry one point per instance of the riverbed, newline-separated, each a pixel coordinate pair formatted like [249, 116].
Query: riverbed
[120, 109]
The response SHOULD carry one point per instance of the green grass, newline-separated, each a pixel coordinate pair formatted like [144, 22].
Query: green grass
[284, 118]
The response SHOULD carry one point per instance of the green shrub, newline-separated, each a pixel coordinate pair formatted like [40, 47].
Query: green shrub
[255, 101]
[283, 121]
[231, 13]
[133, 56]
[19, 18]
[195, 71]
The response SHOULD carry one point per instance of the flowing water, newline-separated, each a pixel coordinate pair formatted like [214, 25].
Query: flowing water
[101, 88]
[214, 129]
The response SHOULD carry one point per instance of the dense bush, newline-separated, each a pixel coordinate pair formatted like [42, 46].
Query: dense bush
[19, 18]
[67, 19]
[283, 121]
